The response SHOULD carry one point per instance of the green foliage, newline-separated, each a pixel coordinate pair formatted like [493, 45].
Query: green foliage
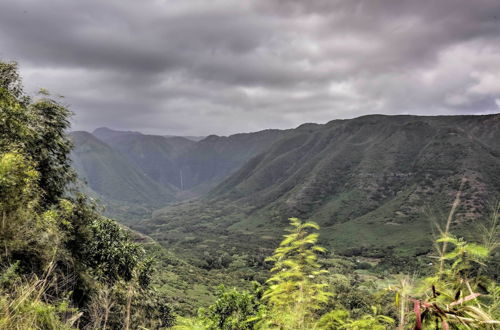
[63, 263]
[462, 256]
[110, 253]
[10, 81]
[18, 182]
[38, 131]
[297, 294]
[187, 323]
[296, 288]
[340, 319]
[115, 306]
[121, 268]
[145, 272]
[234, 310]
[458, 294]
[26, 234]
[451, 296]
[50, 147]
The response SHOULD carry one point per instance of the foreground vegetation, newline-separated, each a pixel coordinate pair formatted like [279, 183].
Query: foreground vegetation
[64, 266]
[303, 293]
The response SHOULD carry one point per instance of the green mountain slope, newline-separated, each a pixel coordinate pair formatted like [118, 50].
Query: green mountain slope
[183, 163]
[215, 157]
[154, 155]
[134, 173]
[374, 184]
[112, 177]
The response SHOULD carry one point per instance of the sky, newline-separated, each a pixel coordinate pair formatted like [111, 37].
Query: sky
[199, 67]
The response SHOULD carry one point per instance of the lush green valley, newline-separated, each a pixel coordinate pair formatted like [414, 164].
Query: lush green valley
[360, 179]
[201, 244]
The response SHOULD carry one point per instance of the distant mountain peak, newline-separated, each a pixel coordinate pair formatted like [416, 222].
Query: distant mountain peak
[211, 137]
[81, 138]
[108, 132]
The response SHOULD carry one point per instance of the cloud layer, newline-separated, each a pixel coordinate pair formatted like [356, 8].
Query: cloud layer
[224, 66]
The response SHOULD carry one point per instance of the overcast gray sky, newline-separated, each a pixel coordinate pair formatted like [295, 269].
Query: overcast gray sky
[196, 67]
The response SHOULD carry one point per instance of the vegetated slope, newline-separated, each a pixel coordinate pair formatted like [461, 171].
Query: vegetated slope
[374, 184]
[113, 178]
[154, 155]
[186, 286]
[134, 173]
[215, 157]
[183, 163]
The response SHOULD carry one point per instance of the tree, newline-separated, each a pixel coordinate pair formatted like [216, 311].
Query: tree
[110, 252]
[38, 131]
[233, 309]
[10, 80]
[50, 147]
[14, 118]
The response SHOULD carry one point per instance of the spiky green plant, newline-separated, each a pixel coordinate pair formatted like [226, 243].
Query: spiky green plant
[451, 297]
[296, 288]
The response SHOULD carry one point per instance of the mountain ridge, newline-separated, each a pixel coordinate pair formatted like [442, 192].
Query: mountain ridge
[368, 177]
[183, 167]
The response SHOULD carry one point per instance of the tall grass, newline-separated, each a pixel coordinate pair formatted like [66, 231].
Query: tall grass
[24, 303]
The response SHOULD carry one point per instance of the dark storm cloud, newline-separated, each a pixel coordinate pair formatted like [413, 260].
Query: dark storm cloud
[225, 66]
